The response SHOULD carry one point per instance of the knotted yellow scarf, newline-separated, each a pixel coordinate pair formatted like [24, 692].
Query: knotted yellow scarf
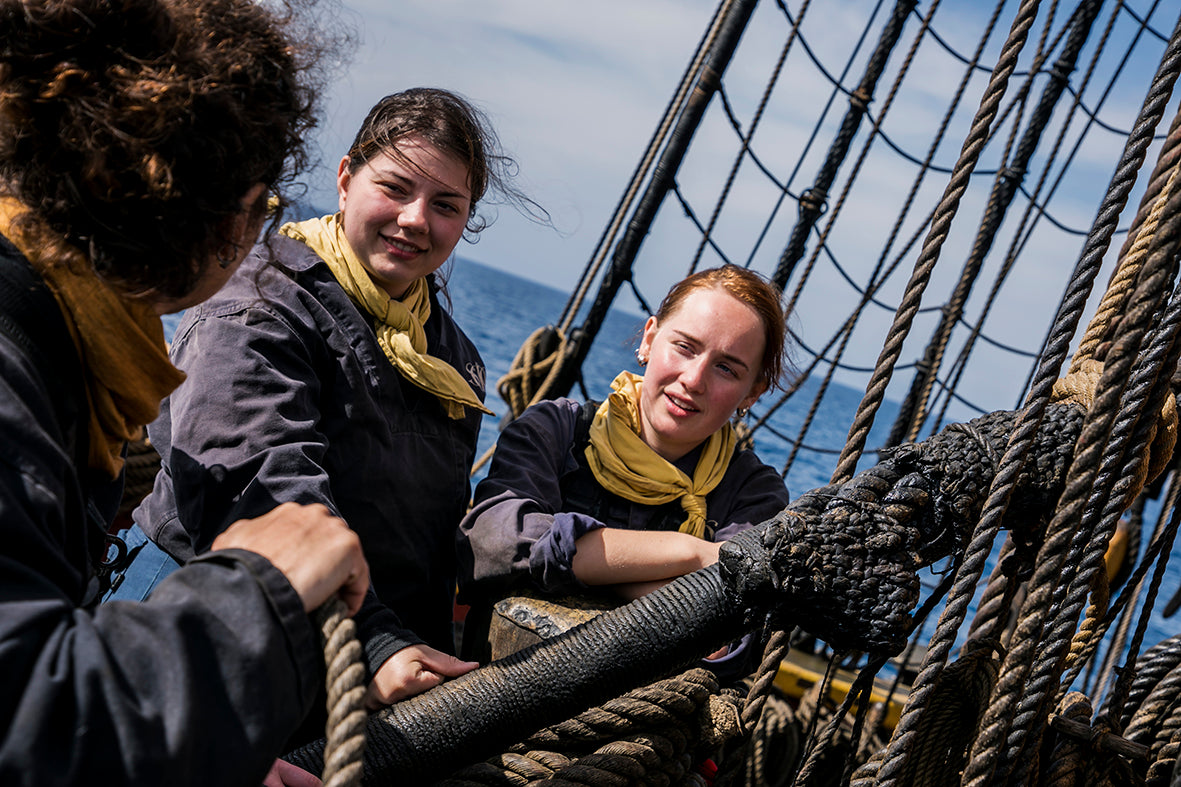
[626, 466]
[120, 340]
[398, 322]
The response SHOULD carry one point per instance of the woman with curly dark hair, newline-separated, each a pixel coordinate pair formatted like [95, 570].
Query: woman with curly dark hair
[138, 142]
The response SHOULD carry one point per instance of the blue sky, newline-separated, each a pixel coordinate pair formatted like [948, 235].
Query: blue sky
[576, 89]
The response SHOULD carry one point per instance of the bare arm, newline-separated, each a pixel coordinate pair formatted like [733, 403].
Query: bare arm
[611, 556]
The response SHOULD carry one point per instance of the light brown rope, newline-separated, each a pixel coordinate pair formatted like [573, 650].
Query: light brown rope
[344, 749]
[1122, 283]
[1080, 382]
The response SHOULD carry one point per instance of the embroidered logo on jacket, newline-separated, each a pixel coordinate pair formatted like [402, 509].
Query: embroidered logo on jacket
[477, 375]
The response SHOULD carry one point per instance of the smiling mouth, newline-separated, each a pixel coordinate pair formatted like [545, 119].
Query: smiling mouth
[681, 404]
[401, 245]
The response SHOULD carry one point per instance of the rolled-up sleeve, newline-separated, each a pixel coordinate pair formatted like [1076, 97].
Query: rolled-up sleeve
[515, 532]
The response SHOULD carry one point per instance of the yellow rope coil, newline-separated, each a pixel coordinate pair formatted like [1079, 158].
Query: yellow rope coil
[533, 372]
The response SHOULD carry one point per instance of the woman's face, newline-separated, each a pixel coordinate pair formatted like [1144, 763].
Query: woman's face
[704, 362]
[403, 217]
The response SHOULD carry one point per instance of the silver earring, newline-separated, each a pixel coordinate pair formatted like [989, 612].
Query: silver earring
[641, 359]
[742, 411]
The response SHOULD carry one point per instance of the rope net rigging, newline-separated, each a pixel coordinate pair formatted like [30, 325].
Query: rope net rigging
[970, 208]
[929, 188]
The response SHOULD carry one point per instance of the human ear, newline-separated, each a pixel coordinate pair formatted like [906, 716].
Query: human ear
[343, 176]
[759, 389]
[245, 226]
[645, 348]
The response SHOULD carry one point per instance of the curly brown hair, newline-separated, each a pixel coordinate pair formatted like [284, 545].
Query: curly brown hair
[133, 128]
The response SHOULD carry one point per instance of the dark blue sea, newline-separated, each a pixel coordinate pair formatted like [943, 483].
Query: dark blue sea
[499, 311]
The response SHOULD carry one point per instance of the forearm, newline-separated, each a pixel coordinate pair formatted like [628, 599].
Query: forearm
[610, 556]
[154, 683]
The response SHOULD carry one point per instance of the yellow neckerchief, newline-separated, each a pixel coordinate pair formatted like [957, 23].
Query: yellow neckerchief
[120, 341]
[626, 466]
[398, 322]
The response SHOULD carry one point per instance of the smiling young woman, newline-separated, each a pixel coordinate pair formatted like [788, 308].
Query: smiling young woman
[404, 211]
[643, 488]
[328, 371]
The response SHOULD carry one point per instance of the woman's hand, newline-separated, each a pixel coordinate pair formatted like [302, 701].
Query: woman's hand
[411, 671]
[315, 550]
[284, 774]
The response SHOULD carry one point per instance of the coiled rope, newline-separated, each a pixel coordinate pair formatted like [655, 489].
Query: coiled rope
[655, 734]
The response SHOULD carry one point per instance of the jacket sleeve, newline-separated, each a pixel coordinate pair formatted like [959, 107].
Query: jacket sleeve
[240, 436]
[753, 493]
[516, 532]
[199, 686]
[241, 433]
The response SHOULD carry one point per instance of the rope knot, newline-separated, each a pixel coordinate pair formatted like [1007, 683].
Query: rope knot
[813, 201]
[859, 99]
[1078, 387]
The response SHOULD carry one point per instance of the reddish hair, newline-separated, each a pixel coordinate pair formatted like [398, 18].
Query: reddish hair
[756, 292]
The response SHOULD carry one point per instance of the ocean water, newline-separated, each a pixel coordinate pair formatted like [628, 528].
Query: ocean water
[499, 310]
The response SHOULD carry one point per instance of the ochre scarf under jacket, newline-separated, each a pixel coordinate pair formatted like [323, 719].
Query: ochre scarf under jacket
[398, 322]
[120, 341]
[626, 466]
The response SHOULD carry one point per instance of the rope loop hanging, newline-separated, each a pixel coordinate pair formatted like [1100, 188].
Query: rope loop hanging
[534, 370]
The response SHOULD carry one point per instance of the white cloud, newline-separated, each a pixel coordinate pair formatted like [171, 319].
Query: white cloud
[576, 89]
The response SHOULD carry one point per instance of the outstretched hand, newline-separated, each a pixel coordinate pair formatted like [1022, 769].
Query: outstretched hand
[412, 670]
[315, 550]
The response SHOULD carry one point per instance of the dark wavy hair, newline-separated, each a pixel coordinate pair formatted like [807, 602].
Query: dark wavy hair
[453, 125]
[132, 129]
